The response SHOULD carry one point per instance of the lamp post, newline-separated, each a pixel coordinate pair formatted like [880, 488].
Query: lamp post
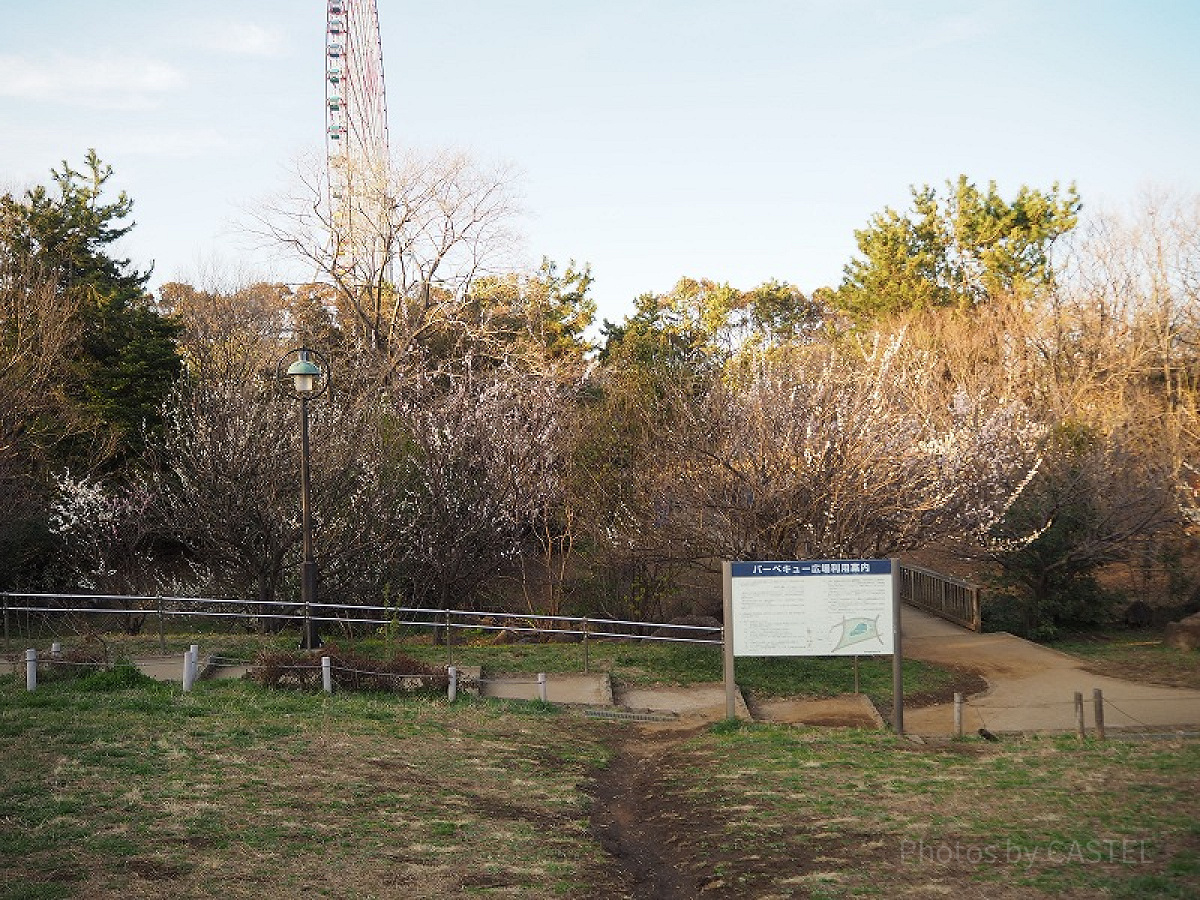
[309, 380]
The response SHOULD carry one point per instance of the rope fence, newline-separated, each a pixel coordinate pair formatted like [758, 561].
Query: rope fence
[1076, 722]
[191, 672]
[454, 679]
[43, 608]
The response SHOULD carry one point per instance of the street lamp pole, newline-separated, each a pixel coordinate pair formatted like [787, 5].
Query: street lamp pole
[308, 567]
[309, 380]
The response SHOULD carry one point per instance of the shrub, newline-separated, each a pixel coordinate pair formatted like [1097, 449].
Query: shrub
[351, 671]
[122, 676]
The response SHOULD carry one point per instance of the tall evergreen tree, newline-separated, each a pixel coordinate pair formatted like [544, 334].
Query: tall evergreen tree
[956, 251]
[123, 359]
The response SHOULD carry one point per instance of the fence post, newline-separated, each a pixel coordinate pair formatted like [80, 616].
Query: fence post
[56, 649]
[958, 715]
[189, 671]
[449, 641]
[5, 599]
[1080, 730]
[327, 674]
[31, 669]
[542, 686]
[453, 689]
[1098, 699]
[162, 636]
[585, 646]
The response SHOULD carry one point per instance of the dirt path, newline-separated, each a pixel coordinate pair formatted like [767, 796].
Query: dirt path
[633, 810]
[1031, 687]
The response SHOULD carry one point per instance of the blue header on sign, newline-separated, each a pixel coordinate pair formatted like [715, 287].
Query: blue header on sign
[814, 567]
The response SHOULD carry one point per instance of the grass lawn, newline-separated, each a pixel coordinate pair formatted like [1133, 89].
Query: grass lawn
[236, 791]
[115, 787]
[838, 814]
[1136, 654]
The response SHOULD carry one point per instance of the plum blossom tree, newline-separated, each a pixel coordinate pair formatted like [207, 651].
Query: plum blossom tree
[825, 455]
[107, 533]
[226, 486]
[481, 464]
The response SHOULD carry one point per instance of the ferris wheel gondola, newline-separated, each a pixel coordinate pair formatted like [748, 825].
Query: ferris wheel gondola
[356, 133]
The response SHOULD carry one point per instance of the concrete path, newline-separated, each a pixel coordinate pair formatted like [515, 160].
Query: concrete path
[162, 668]
[701, 701]
[1031, 687]
[592, 689]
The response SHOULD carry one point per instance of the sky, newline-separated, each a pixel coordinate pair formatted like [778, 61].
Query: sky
[736, 140]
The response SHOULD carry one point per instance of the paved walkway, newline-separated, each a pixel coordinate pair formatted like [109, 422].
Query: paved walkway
[1031, 687]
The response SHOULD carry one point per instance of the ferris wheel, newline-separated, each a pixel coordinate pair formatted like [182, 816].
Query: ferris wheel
[355, 103]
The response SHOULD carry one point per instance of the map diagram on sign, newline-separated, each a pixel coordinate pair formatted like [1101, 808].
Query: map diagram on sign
[855, 631]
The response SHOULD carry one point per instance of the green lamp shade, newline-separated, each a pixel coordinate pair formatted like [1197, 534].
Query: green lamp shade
[304, 374]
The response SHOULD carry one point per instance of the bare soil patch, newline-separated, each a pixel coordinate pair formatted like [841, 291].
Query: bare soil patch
[642, 824]
[846, 711]
[1148, 671]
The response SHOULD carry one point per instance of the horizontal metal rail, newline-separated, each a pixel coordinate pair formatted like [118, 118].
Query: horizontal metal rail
[420, 617]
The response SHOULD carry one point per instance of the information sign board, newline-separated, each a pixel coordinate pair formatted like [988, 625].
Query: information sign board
[834, 607]
[812, 608]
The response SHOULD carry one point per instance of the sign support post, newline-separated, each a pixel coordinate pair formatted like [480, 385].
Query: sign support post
[897, 655]
[727, 641]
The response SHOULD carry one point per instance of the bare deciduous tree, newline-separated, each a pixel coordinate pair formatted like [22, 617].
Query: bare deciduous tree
[403, 250]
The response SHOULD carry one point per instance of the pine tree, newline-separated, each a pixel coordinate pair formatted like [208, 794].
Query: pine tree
[123, 359]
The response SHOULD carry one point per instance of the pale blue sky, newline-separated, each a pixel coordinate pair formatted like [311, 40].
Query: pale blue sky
[738, 141]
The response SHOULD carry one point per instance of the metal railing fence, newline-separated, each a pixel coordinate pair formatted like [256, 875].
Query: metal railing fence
[344, 615]
[950, 598]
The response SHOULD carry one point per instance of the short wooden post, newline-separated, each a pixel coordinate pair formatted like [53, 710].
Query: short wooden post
[856, 687]
[542, 686]
[162, 634]
[958, 715]
[1098, 699]
[1080, 729]
[453, 689]
[327, 674]
[31, 669]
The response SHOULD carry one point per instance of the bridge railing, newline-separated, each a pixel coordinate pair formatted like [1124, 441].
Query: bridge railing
[950, 598]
